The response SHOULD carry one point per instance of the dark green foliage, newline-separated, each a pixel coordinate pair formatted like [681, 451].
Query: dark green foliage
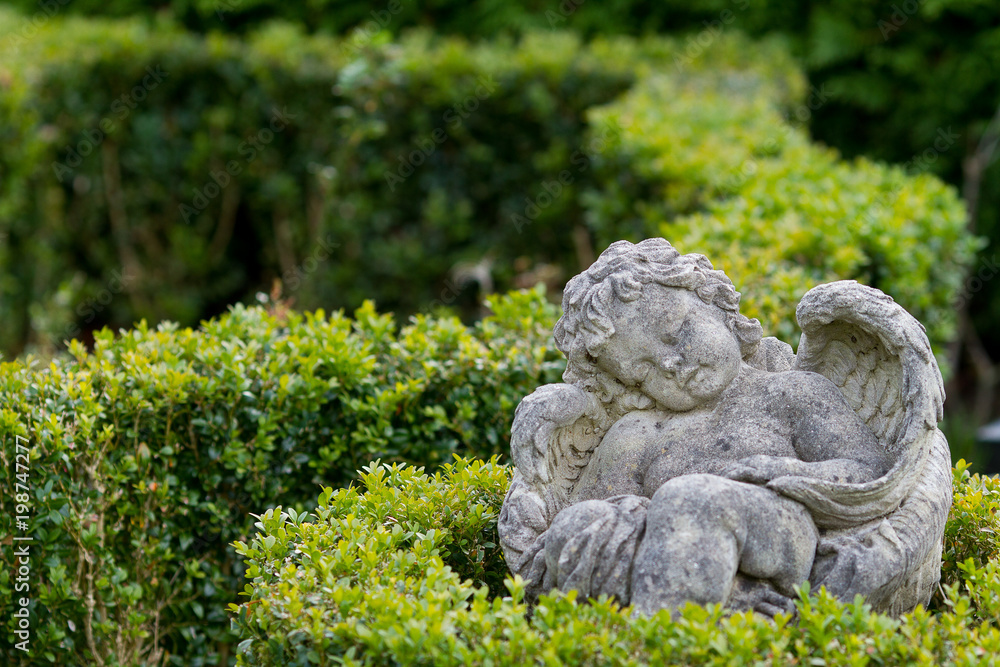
[383, 578]
[465, 132]
[908, 82]
[148, 455]
[479, 18]
[403, 164]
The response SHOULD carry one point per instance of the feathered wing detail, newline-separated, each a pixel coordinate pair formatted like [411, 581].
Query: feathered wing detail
[552, 438]
[879, 356]
[569, 455]
[881, 539]
[554, 433]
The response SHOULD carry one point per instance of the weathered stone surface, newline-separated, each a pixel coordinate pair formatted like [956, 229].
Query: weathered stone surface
[686, 458]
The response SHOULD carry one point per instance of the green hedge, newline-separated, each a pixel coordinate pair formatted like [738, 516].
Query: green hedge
[881, 67]
[148, 454]
[482, 17]
[734, 180]
[406, 573]
[401, 167]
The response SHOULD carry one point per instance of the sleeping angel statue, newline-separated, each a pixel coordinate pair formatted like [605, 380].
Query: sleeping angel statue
[687, 458]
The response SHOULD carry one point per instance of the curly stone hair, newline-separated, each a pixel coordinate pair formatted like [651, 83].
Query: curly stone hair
[620, 274]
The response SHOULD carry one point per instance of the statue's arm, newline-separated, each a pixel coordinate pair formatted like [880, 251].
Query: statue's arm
[761, 469]
[830, 439]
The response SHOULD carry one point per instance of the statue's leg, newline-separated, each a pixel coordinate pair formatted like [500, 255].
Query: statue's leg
[701, 529]
[590, 546]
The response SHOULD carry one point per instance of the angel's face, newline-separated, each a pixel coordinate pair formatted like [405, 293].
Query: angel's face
[673, 346]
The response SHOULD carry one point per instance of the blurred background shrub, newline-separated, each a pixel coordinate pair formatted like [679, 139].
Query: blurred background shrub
[151, 173]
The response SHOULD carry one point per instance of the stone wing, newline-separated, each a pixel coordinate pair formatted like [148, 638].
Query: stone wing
[551, 442]
[879, 356]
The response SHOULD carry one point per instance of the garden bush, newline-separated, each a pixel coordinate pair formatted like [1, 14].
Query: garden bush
[879, 67]
[406, 168]
[407, 570]
[148, 454]
[724, 174]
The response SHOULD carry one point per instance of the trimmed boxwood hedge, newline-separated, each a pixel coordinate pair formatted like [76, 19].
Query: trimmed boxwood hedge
[405, 167]
[149, 453]
[407, 572]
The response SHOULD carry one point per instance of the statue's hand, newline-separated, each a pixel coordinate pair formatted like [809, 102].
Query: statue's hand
[759, 596]
[536, 420]
[761, 469]
[848, 566]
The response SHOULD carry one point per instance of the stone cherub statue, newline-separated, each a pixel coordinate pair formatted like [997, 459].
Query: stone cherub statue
[687, 458]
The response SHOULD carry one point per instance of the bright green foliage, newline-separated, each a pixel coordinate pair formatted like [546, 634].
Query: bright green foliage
[974, 527]
[779, 214]
[148, 454]
[403, 162]
[381, 578]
